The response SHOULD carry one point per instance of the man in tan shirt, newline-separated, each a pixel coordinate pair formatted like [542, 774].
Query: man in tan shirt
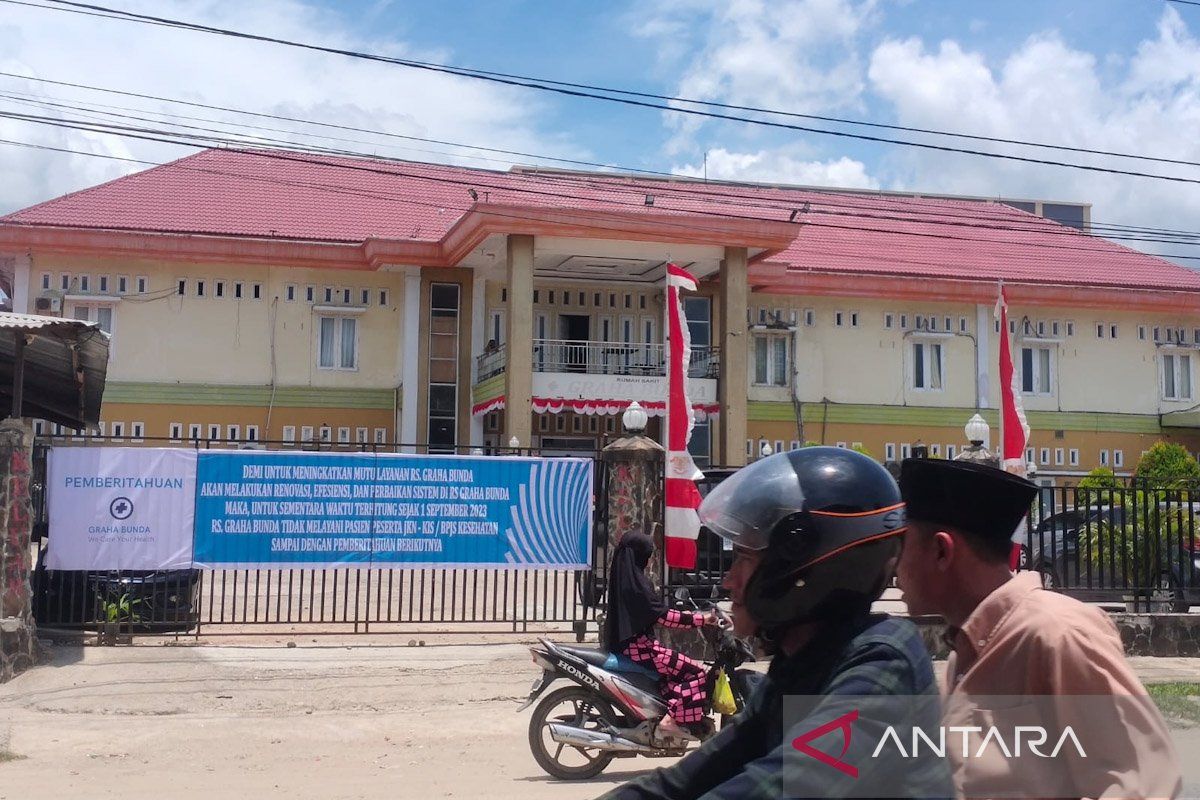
[1023, 655]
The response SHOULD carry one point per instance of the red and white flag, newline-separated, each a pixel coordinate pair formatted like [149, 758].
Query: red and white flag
[682, 496]
[1014, 429]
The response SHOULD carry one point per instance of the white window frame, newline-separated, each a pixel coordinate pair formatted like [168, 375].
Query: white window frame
[175, 430]
[1179, 392]
[137, 431]
[338, 327]
[810, 317]
[214, 432]
[1104, 458]
[362, 435]
[889, 320]
[381, 436]
[1074, 457]
[117, 431]
[1059, 457]
[951, 452]
[325, 434]
[1035, 362]
[927, 349]
[195, 429]
[1044, 456]
[47, 281]
[771, 378]
[839, 319]
[233, 433]
[307, 433]
[905, 451]
[853, 319]
[289, 434]
[1118, 458]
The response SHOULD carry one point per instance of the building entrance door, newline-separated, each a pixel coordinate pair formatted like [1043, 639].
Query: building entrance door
[574, 331]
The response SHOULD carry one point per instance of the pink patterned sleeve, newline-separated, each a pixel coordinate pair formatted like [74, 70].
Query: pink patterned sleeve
[681, 619]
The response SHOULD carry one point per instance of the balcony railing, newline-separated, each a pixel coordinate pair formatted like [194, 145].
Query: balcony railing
[600, 358]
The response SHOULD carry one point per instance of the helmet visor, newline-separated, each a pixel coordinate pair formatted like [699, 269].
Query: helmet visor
[745, 507]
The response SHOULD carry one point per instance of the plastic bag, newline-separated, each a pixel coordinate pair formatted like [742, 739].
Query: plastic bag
[722, 701]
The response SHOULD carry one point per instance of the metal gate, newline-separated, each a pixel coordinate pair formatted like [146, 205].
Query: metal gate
[310, 601]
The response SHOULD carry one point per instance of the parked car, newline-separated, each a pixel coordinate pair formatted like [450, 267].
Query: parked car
[140, 600]
[1069, 564]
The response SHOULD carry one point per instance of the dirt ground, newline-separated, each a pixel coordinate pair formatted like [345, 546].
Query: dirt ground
[362, 718]
[321, 720]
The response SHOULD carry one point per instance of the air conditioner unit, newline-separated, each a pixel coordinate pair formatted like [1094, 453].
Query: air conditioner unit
[48, 303]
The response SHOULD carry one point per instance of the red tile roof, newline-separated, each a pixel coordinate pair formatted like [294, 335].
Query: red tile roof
[328, 199]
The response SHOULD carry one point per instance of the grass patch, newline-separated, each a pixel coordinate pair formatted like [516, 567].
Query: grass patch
[1177, 701]
[8, 755]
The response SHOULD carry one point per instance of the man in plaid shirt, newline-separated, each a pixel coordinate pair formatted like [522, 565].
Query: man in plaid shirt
[816, 534]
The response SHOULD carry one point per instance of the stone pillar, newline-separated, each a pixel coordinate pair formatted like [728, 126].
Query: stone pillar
[735, 348]
[16, 524]
[634, 488]
[518, 371]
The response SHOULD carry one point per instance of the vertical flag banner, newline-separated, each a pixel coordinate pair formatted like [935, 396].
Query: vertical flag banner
[1014, 429]
[682, 496]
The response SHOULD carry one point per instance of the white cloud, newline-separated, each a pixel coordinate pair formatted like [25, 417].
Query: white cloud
[773, 166]
[793, 55]
[258, 76]
[1046, 91]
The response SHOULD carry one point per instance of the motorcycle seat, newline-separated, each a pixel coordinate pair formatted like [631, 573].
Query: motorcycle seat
[594, 657]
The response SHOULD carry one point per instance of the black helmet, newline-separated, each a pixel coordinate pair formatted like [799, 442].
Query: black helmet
[828, 522]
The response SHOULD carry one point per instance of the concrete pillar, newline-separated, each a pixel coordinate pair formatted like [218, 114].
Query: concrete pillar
[633, 484]
[984, 315]
[518, 372]
[16, 524]
[735, 350]
[479, 338]
[23, 289]
[410, 393]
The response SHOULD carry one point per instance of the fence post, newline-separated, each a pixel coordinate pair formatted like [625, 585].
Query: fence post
[16, 525]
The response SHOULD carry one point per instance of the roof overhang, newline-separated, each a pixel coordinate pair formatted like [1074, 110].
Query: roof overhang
[66, 365]
[775, 278]
[762, 238]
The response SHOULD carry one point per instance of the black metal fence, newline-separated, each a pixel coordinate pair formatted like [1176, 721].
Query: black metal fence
[1136, 545]
[330, 601]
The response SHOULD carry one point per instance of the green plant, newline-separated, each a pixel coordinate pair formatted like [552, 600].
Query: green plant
[1167, 465]
[1097, 487]
[1142, 547]
[121, 609]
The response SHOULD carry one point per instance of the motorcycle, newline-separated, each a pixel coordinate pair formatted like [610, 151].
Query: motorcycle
[613, 706]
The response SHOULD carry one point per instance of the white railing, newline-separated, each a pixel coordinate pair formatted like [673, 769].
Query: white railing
[600, 358]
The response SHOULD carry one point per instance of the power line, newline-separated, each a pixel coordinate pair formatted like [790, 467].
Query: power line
[1036, 224]
[121, 15]
[286, 157]
[723, 197]
[625, 97]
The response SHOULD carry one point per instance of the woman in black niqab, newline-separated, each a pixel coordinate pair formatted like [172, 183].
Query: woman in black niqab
[634, 608]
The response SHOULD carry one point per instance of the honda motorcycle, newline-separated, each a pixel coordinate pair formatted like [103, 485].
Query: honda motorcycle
[613, 706]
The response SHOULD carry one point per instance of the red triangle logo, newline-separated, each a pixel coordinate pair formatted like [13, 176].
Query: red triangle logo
[843, 724]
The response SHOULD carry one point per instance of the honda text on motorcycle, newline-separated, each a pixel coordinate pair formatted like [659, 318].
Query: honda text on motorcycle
[613, 706]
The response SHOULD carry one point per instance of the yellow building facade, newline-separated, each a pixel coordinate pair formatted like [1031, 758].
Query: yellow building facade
[484, 322]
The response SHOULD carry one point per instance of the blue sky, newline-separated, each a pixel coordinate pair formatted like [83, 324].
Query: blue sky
[1107, 74]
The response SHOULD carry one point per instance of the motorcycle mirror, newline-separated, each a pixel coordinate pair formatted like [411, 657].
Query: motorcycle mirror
[682, 594]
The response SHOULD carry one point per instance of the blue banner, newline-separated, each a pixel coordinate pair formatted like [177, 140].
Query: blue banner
[275, 509]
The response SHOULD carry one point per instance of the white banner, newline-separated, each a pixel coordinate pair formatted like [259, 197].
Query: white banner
[126, 508]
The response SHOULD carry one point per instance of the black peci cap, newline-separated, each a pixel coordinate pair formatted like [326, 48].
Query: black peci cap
[971, 497]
